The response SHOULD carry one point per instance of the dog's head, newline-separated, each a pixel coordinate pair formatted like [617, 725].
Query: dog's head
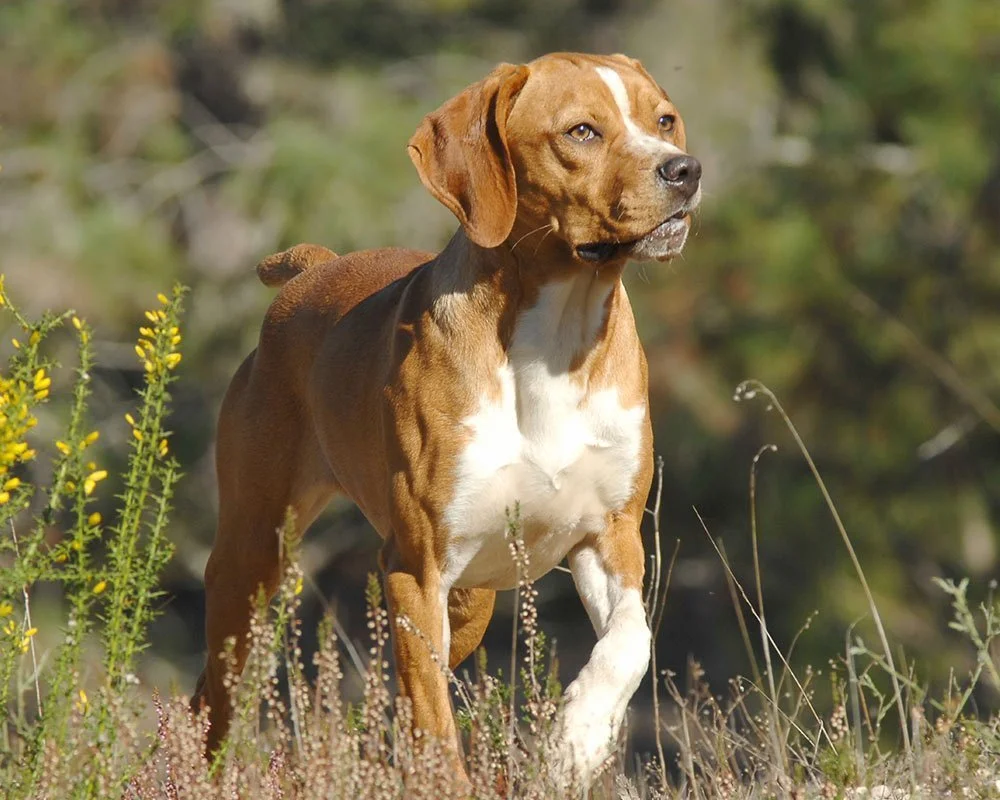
[586, 149]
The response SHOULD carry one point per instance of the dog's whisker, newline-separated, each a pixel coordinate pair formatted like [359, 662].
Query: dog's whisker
[529, 233]
[544, 235]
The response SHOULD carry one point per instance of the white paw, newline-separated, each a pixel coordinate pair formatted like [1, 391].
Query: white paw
[587, 734]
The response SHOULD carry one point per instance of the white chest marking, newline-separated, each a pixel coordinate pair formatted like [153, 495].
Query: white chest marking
[564, 456]
[637, 135]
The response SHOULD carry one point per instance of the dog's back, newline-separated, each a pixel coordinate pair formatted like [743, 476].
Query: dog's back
[312, 275]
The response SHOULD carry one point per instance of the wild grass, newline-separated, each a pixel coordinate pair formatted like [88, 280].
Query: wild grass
[864, 726]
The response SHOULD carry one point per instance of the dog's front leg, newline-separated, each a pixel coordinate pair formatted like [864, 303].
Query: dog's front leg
[418, 613]
[607, 569]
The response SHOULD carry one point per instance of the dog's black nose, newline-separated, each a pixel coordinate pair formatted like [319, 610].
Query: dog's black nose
[684, 172]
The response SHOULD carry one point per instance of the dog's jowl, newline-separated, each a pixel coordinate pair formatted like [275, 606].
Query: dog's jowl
[439, 391]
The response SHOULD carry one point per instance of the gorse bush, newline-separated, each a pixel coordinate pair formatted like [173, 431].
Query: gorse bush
[108, 570]
[867, 728]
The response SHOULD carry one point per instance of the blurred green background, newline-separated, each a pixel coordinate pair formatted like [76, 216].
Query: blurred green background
[847, 254]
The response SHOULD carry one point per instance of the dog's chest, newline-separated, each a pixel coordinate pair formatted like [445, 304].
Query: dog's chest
[546, 449]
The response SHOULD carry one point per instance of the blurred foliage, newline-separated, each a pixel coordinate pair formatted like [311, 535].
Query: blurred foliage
[855, 271]
[847, 255]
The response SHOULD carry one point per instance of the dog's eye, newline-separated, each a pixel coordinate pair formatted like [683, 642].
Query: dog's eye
[582, 132]
[666, 123]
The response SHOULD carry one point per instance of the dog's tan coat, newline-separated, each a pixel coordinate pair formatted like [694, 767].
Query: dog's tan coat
[439, 390]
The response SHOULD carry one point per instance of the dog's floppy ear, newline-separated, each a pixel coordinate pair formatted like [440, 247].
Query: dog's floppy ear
[461, 154]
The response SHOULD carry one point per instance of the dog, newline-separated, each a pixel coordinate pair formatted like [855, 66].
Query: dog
[441, 391]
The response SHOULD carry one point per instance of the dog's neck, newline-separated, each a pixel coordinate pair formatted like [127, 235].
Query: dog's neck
[504, 285]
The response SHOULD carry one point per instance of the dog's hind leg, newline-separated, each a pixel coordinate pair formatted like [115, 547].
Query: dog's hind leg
[267, 463]
[469, 612]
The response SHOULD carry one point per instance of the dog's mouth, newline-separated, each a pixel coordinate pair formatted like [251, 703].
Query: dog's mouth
[664, 241]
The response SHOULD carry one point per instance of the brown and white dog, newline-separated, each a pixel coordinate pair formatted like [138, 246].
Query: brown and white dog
[438, 391]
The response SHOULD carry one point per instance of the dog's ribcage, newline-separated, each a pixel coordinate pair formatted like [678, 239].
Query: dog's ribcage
[562, 455]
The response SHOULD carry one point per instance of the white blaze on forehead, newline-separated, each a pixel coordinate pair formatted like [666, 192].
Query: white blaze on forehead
[638, 136]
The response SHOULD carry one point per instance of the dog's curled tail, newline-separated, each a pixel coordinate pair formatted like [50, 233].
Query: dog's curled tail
[279, 268]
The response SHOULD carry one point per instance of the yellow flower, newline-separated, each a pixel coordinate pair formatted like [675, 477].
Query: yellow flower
[298, 586]
[16, 343]
[11, 484]
[100, 586]
[172, 360]
[4, 497]
[137, 434]
[94, 519]
[10, 627]
[63, 448]
[146, 332]
[140, 352]
[59, 558]
[35, 338]
[77, 545]
[92, 480]
[162, 298]
[41, 394]
[163, 447]
[130, 419]
[6, 609]
[91, 437]
[82, 702]
[151, 316]
[26, 640]
[77, 323]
